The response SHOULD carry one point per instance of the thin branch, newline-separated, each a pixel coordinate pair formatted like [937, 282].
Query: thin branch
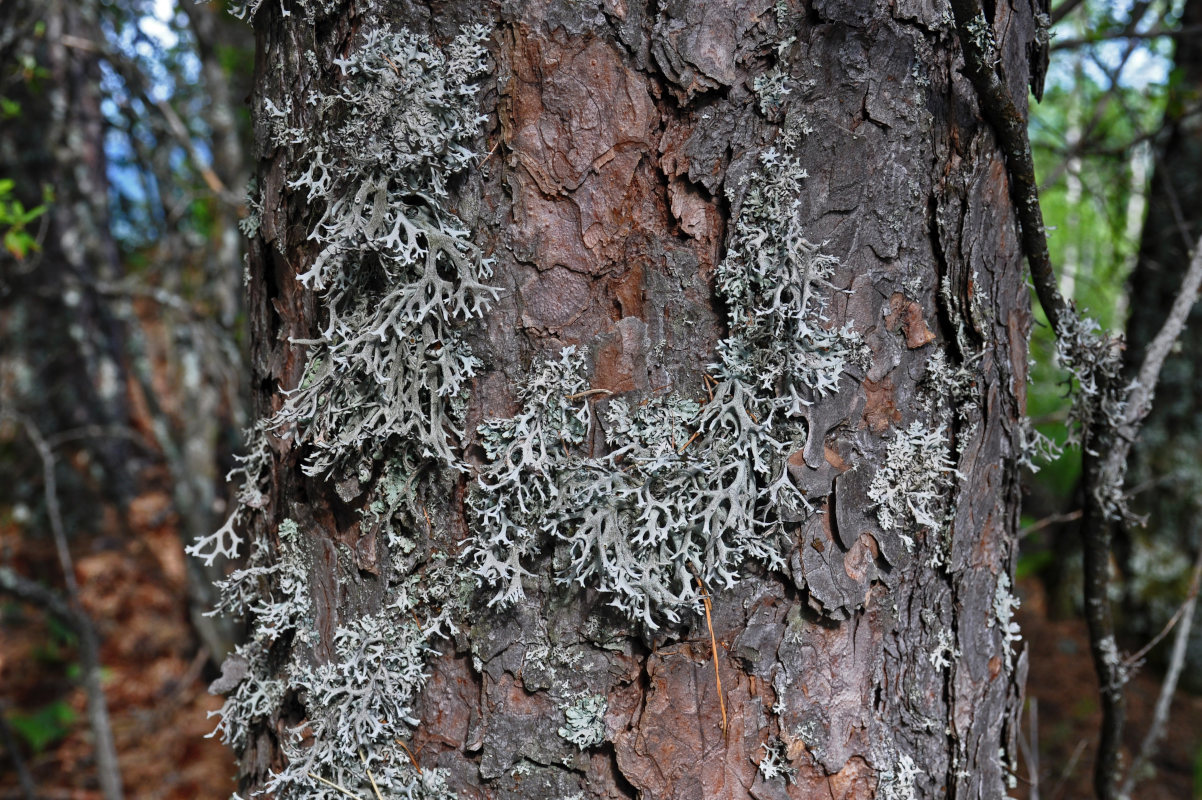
[1105, 454]
[1139, 394]
[1168, 687]
[1181, 611]
[1064, 9]
[1051, 519]
[1068, 770]
[1030, 749]
[138, 83]
[1010, 126]
[89, 645]
[333, 785]
[1126, 35]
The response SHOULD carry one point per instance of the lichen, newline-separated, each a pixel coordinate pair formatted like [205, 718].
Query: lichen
[652, 501]
[687, 490]
[379, 407]
[775, 762]
[396, 271]
[899, 782]
[584, 724]
[1004, 606]
[910, 489]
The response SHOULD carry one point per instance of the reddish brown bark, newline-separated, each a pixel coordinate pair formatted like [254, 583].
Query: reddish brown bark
[622, 139]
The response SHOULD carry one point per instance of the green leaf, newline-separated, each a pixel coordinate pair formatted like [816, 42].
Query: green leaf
[19, 243]
[45, 726]
[32, 214]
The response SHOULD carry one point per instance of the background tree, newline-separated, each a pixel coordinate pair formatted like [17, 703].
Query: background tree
[652, 321]
[1158, 557]
[119, 380]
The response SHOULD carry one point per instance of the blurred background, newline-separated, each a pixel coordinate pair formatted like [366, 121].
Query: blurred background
[123, 176]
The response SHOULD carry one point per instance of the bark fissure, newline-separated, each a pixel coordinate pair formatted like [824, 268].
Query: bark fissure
[633, 143]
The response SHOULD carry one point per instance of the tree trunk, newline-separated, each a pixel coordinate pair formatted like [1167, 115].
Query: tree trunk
[65, 348]
[723, 325]
[1159, 555]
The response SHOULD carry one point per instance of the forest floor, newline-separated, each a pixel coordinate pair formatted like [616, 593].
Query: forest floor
[1062, 683]
[157, 677]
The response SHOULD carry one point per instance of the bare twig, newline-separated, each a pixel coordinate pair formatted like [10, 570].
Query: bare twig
[1064, 9]
[1068, 770]
[1168, 687]
[1181, 611]
[138, 83]
[1124, 34]
[89, 645]
[333, 785]
[375, 789]
[709, 623]
[1029, 746]
[1051, 519]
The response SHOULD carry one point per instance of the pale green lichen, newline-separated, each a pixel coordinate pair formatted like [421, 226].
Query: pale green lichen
[584, 721]
[395, 274]
[686, 492]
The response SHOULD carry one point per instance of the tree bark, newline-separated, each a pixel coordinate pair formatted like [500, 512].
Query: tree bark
[627, 156]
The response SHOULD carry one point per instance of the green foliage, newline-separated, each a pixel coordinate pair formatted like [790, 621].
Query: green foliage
[14, 218]
[45, 726]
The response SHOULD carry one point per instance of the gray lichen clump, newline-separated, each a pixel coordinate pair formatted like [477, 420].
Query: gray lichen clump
[584, 721]
[395, 274]
[688, 491]
[390, 366]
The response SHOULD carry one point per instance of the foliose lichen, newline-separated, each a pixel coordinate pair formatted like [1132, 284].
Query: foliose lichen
[654, 502]
[396, 271]
[687, 490]
[395, 275]
[584, 724]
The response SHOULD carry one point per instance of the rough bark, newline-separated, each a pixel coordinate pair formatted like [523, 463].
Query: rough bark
[622, 142]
